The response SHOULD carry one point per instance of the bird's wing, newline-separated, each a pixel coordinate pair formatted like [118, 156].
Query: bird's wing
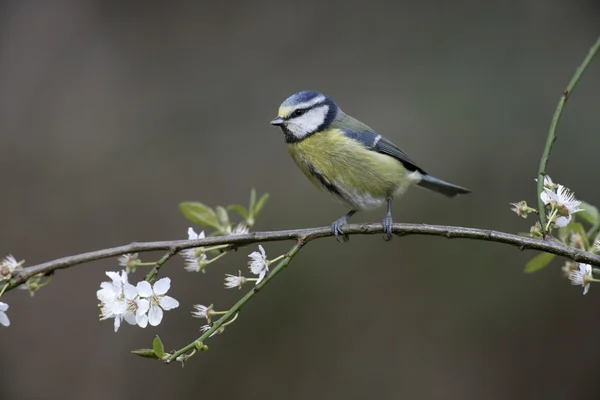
[360, 132]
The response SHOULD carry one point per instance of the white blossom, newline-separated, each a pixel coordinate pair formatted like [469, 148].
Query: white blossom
[563, 198]
[128, 261]
[10, 262]
[582, 277]
[8, 266]
[259, 265]
[202, 311]
[194, 257]
[563, 201]
[3, 317]
[112, 297]
[136, 307]
[234, 281]
[158, 300]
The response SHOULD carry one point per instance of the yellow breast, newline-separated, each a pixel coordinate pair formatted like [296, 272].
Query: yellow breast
[360, 177]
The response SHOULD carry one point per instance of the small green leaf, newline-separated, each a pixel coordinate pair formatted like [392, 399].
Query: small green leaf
[538, 262]
[159, 348]
[222, 216]
[200, 214]
[260, 205]
[146, 353]
[239, 209]
[252, 200]
[589, 213]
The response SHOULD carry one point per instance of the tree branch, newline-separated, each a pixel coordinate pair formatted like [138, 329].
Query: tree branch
[306, 235]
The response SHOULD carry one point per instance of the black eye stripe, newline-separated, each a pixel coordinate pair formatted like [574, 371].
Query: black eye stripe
[301, 111]
[298, 112]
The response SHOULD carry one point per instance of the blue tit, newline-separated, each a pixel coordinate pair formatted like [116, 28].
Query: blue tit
[349, 160]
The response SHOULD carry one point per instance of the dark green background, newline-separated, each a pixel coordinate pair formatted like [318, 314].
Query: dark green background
[111, 113]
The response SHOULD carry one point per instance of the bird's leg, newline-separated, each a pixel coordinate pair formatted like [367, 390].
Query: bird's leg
[336, 227]
[387, 221]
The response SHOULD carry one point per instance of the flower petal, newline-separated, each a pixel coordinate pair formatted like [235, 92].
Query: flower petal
[142, 320]
[586, 287]
[124, 277]
[144, 289]
[155, 315]
[4, 318]
[117, 322]
[130, 291]
[162, 286]
[3, 306]
[261, 276]
[130, 318]
[192, 235]
[168, 303]
[562, 221]
[143, 306]
[113, 275]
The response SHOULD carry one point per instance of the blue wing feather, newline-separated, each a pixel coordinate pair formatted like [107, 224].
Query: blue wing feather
[375, 142]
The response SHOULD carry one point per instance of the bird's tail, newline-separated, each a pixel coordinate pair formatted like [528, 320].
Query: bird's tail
[440, 186]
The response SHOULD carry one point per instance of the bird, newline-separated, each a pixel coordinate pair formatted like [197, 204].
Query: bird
[349, 160]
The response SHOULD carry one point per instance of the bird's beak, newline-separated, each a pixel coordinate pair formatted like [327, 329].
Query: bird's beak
[277, 121]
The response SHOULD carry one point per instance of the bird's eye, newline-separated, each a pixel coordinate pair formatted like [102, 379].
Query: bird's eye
[298, 112]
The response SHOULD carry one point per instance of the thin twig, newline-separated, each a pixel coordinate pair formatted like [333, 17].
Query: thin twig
[151, 276]
[552, 132]
[307, 235]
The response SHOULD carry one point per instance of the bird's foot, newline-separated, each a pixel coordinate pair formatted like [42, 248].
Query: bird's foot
[387, 228]
[336, 229]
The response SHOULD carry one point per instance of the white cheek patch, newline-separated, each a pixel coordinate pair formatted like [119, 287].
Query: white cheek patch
[309, 122]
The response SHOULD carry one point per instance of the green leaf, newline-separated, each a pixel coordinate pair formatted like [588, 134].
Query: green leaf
[252, 200]
[260, 205]
[200, 214]
[538, 262]
[146, 353]
[239, 209]
[222, 216]
[159, 348]
[589, 213]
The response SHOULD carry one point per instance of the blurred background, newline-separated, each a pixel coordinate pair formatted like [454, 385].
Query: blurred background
[111, 113]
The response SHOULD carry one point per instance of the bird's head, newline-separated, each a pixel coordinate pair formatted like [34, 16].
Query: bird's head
[305, 113]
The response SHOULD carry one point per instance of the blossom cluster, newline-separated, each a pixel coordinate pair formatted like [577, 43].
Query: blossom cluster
[140, 305]
[560, 204]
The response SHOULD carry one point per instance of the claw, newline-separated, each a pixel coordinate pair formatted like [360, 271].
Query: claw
[387, 228]
[387, 222]
[336, 227]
